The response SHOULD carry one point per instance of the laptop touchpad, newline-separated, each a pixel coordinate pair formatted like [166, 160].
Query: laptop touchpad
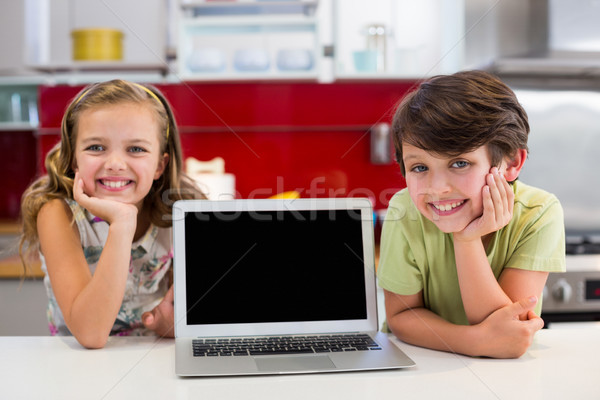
[299, 363]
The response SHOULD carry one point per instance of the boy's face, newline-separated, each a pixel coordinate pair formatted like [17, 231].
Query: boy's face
[447, 190]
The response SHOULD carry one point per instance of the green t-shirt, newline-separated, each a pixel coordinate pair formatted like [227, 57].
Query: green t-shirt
[415, 255]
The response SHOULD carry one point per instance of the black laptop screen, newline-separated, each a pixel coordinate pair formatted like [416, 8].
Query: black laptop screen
[274, 266]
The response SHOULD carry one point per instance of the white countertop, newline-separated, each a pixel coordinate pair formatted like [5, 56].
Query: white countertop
[561, 364]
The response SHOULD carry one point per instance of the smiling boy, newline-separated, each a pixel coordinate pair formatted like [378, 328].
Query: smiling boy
[466, 248]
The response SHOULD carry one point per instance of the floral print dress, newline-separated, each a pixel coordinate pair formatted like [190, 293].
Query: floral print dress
[147, 281]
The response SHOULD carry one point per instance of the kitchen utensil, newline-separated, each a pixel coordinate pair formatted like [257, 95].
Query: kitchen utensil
[97, 44]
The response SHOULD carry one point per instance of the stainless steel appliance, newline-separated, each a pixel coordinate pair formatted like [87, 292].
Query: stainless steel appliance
[574, 295]
[565, 160]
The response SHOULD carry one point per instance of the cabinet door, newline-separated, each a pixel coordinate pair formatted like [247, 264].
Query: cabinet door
[242, 47]
[49, 25]
[249, 40]
[398, 38]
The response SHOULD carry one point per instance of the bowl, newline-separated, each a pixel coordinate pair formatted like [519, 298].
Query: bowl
[206, 60]
[294, 60]
[251, 60]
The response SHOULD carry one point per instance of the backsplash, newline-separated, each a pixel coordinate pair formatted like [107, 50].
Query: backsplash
[274, 137]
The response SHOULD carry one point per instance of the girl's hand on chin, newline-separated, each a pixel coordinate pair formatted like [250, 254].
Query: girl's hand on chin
[498, 202]
[109, 210]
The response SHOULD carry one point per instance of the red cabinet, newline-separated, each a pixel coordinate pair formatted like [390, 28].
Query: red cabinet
[274, 136]
[18, 165]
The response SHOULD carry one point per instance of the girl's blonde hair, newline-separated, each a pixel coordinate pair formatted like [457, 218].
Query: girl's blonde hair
[172, 185]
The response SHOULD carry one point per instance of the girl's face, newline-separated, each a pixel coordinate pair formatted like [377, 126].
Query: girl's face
[117, 152]
[447, 190]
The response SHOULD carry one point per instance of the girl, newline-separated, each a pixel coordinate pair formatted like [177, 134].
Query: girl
[100, 218]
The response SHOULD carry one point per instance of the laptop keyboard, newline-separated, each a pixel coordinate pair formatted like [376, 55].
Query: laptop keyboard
[270, 345]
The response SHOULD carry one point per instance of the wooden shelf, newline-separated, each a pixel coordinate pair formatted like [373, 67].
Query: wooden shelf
[11, 268]
[10, 262]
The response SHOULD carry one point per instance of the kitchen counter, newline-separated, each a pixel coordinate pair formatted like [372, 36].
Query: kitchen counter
[561, 364]
[10, 262]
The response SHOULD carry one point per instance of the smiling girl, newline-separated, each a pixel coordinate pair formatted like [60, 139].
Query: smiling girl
[100, 218]
[466, 248]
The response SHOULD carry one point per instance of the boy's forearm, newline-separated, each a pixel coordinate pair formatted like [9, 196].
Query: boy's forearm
[481, 294]
[422, 327]
[501, 335]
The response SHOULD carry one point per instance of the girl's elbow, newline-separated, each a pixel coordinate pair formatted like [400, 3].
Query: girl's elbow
[92, 342]
[92, 339]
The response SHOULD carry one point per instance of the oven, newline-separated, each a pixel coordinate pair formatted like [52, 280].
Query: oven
[564, 159]
[574, 295]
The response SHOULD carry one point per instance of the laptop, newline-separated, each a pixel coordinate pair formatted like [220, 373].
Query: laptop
[277, 286]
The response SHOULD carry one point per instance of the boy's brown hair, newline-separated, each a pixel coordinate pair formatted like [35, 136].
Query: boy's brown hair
[454, 114]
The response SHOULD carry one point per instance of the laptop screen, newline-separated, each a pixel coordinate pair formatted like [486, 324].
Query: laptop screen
[274, 266]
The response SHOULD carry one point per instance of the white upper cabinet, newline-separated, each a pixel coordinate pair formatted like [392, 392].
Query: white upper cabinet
[398, 38]
[49, 25]
[249, 40]
[333, 39]
[318, 40]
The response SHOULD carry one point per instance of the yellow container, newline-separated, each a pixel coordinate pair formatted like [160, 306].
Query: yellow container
[97, 44]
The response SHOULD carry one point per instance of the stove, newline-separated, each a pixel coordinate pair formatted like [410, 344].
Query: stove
[583, 244]
[575, 294]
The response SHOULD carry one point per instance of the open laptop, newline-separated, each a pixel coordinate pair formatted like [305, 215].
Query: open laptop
[266, 286]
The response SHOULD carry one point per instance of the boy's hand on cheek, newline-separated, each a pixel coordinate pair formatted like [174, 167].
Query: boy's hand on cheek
[498, 202]
[109, 210]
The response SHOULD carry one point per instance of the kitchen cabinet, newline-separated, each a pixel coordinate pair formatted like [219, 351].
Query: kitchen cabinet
[275, 136]
[18, 106]
[249, 40]
[48, 26]
[322, 40]
[346, 39]
[397, 39]
[18, 121]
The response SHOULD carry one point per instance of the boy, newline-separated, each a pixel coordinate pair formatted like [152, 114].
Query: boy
[464, 253]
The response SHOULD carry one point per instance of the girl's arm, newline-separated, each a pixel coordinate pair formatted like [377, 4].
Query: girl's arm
[161, 318]
[501, 335]
[89, 303]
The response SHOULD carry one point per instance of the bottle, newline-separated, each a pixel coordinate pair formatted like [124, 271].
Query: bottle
[376, 38]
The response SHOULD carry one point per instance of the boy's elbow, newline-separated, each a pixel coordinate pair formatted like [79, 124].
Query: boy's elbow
[400, 325]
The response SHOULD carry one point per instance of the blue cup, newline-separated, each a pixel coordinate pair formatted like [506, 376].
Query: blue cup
[365, 61]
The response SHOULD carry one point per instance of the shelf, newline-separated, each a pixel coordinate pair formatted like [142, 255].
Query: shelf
[10, 262]
[17, 126]
[249, 76]
[239, 3]
[199, 4]
[381, 76]
[97, 66]
[249, 47]
[235, 23]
